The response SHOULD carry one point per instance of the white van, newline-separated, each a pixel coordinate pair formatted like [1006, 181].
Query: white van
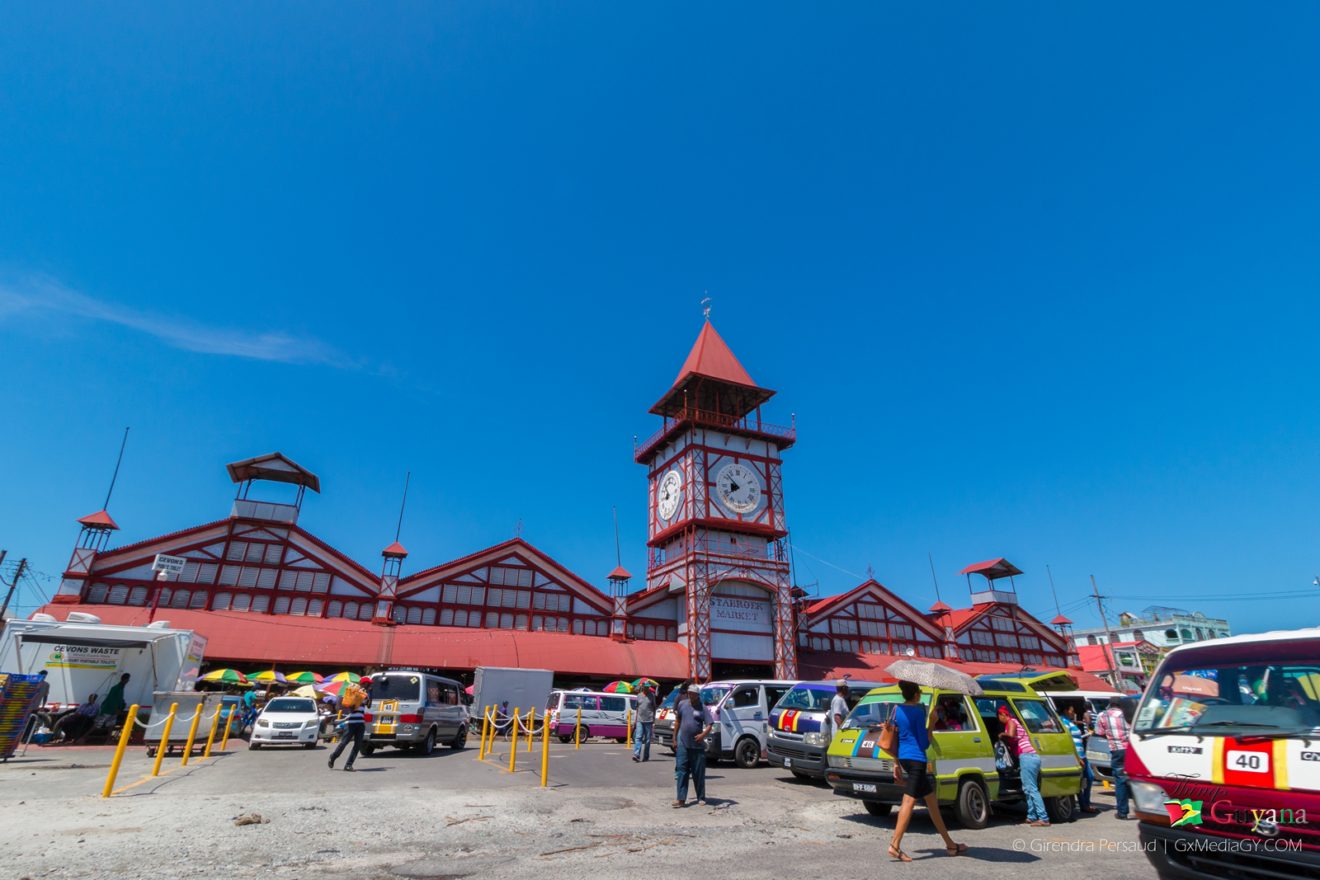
[603, 714]
[413, 711]
[740, 710]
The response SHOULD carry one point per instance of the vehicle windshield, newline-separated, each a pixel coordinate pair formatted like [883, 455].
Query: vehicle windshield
[712, 695]
[669, 701]
[874, 711]
[290, 704]
[806, 699]
[1264, 688]
[407, 688]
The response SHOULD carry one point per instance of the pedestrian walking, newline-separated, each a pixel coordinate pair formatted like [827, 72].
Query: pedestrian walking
[354, 726]
[1028, 769]
[113, 704]
[1079, 735]
[912, 771]
[645, 724]
[692, 725]
[1112, 725]
[838, 708]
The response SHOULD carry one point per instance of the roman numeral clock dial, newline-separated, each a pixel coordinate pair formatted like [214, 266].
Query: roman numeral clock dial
[739, 488]
[669, 493]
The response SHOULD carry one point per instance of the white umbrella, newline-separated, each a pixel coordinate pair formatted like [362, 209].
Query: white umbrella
[933, 675]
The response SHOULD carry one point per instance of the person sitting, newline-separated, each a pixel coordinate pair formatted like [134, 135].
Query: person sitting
[77, 723]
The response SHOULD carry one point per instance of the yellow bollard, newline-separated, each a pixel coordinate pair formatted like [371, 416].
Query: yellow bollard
[229, 725]
[485, 727]
[577, 730]
[627, 720]
[164, 739]
[192, 734]
[490, 737]
[210, 738]
[513, 743]
[545, 751]
[531, 727]
[119, 750]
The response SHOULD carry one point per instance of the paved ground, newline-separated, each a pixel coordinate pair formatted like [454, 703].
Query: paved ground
[450, 816]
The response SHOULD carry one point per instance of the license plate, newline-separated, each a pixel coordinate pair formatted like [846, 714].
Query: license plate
[385, 729]
[788, 762]
[864, 787]
[285, 735]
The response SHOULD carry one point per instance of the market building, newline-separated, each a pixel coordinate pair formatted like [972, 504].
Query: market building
[718, 599]
[1161, 626]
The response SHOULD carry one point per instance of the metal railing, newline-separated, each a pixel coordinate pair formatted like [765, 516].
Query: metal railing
[718, 420]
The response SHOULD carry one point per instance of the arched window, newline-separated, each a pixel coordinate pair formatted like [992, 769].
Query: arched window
[242, 601]
[222, 601]
[298, 607]
[428, 616]
[336, 609]
[350, 610]
[314, 607]
[181, 598]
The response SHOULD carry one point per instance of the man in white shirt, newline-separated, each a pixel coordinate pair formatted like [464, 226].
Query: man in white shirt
[838, 706]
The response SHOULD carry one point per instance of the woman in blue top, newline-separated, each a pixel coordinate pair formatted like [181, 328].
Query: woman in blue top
[910, 770]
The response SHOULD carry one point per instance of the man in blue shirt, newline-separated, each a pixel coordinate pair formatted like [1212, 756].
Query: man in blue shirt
[692, 725]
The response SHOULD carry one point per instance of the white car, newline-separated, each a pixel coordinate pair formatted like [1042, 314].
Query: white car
[287, 721]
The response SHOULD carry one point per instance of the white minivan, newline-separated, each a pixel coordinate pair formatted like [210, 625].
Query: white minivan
[740, 710]
[413, 711]
[602, 714]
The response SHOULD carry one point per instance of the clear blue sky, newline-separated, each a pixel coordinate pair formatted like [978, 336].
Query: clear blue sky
[1038, 282]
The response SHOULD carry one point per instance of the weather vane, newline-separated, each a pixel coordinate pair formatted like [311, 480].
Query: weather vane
[705, 305]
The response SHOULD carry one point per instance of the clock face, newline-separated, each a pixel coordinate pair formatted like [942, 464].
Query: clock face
[669, 494]
[739, 488]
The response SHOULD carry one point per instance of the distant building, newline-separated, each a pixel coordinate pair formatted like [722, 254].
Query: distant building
[1125, 665]
[1160, 626]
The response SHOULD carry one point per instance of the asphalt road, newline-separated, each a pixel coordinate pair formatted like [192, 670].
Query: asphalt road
[450, 816]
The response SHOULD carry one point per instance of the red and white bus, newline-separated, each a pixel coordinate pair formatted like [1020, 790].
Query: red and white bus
[1224, 759]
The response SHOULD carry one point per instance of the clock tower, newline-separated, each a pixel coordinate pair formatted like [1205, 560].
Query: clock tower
[716, 515]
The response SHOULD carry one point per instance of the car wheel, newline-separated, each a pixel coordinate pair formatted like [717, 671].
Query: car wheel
[367, 749]
[973, 806]
[309, 745]
[428, 744]
[1060, 809]
[875, 808]
[800, 775]
[461, 740]
[621, 740]
[565, 739]
[747, 753]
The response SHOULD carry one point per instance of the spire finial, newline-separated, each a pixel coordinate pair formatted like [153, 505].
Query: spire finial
[398, 530]
[705, 305]
[115, 476]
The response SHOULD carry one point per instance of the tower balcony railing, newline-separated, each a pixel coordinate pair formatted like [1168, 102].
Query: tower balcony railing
[749, 424]
[245, 509]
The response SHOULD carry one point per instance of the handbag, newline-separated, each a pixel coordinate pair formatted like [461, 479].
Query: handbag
[888, 741]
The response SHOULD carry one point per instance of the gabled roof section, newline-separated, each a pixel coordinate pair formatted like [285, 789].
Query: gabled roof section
[396, 550]
[879, 592]
[492, 555]
[100, 520]
[276, 467]
[992, 569]
[711, 357]
[961, 618]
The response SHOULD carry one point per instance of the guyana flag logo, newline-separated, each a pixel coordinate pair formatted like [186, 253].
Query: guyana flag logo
[1183, 812]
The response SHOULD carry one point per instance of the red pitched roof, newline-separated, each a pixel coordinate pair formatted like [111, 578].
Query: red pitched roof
[619, 574]
[711, 357]
[274, 466]
[886, 595]
[830, 665]
[235, 637]
[992, 568]
[1060, 620]
[101, 520]
[940, 608]
[395, 549]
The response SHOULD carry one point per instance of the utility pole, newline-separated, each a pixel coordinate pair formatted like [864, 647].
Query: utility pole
[1104, 621]
[9, 594]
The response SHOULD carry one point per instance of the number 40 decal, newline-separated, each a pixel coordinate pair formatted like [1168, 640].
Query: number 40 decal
[1248, 762]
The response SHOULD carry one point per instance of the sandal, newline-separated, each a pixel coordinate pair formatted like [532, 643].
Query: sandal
[957, 849]
[898, 855]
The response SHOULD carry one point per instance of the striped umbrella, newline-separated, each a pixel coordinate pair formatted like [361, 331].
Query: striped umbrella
[304, 677]
[226, 676]
[332, 687]
[641, 683]
[344, 676]
[267, 675]
[618, 687]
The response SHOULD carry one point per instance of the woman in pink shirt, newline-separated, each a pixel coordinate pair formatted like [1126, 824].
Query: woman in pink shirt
[1028, 765]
